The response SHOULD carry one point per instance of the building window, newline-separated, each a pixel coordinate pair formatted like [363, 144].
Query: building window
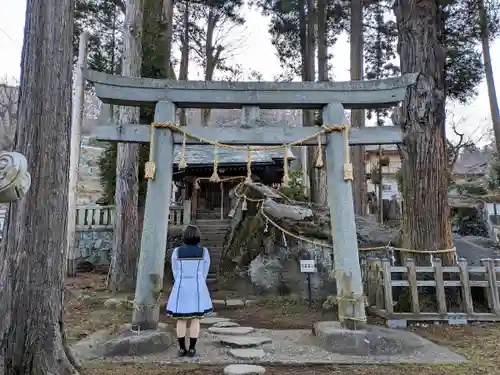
[386, 187]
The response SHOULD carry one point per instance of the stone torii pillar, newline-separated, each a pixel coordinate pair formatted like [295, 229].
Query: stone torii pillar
[332, 98]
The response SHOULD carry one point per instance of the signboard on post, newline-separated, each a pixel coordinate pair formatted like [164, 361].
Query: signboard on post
[308, 266]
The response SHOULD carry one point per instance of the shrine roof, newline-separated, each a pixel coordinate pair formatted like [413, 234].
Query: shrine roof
[203, 155]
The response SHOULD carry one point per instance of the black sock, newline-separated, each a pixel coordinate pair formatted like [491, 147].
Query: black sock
[192, 342]
[182, 343]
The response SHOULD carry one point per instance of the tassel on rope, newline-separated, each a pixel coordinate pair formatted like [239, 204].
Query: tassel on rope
[319, 160]
[286, 177]
[248, 180]
[215, 175]
[348, 173]
[196, 184]
[244, 205]
[182, 161]
[150, 166]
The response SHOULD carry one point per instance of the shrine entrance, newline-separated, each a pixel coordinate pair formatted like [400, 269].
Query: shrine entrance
[332, 98]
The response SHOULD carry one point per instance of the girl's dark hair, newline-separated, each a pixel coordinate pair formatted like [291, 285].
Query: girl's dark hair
[192, 235]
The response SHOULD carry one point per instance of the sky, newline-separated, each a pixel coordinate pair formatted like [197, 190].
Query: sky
[256, 53]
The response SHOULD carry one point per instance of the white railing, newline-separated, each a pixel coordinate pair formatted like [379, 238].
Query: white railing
[97, 217]
[102, 217]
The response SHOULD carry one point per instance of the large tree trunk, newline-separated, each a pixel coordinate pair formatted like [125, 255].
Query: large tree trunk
[184, 66]
[126, 229]
[168, 14]
[307, 118]
[426, 221]
[33, 260]
[320, 191]
[488, 70]
[212, 56]
[358, 115]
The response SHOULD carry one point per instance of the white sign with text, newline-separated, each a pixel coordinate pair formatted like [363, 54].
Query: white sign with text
[308, 266]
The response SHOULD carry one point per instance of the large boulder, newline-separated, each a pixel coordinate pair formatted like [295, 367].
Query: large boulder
[264, 249]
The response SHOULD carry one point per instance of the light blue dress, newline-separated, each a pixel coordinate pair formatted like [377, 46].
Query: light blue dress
[190, 297]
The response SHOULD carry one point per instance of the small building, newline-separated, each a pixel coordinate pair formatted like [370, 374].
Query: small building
[210, 199]
[389, 180]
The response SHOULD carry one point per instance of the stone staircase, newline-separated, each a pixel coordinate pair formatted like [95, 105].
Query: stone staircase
[213, 230]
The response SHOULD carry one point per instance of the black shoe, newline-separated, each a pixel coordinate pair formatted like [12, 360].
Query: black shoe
[191, 353]
[182, 346]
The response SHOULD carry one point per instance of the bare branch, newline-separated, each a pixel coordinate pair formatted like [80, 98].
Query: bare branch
[8, 113]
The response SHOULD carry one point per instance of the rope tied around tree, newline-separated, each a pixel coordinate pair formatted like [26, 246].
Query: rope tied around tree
[215, 175]
[248, 179]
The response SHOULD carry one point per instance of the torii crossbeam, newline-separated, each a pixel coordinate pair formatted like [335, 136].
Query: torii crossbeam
[332, 98]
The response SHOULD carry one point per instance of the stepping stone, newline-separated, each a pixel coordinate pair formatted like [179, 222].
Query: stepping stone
[244, 370]
[247, 353]
[226, 324]
[230, 330]
[243, 341]
[209, 320]
[218, 302]
[235, 303]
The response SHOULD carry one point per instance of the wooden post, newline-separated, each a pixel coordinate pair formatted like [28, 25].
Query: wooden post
[345, 242]
[155, 228]
[74, 159]
[222, 200]
[440, 291]
[187, 212]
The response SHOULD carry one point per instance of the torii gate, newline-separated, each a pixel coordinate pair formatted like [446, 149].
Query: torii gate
[168, 95]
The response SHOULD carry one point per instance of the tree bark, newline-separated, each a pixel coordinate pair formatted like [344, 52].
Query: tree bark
[212, 56]
[126, 228]
[488, 70]
[184, 66]
[307, 117]
[426, 221]
[168, 14]
[358, 115]
[33, 259]
[320, 190]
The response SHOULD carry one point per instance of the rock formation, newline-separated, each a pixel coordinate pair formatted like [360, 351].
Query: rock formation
[270, 234]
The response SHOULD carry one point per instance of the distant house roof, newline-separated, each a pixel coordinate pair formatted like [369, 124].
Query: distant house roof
[203, 155]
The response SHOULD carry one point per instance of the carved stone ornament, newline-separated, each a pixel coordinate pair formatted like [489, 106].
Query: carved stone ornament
[14, 177]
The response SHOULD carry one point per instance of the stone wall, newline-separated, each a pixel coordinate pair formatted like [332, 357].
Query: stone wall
[94, 246]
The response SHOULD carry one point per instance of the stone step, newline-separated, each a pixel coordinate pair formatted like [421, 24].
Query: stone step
[244, 341]
[233, 331]
[242, 369]
[247, 353]
[212, 222]
[226, 324]
[210, 320]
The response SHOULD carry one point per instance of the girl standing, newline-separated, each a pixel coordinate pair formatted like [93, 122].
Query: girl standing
[190, 299]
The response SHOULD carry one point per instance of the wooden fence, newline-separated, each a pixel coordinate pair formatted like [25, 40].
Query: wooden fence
[429, 283]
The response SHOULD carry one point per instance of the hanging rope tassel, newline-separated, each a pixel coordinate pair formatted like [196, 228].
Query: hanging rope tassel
[215, 176]
[248, 180]
[319, 160]
[196, 184]
[150, 166]
[286, 177]
[348, 173]
[182, 161]
[244, 205]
